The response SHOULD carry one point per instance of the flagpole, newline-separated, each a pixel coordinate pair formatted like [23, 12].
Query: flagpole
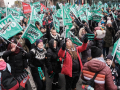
[64, 32]
[114, 20]
[115, 52]
[16, 44]
[63, 24]
[26, 28]
[87, 18]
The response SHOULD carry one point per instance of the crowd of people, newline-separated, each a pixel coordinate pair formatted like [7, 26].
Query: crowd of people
[60, 55]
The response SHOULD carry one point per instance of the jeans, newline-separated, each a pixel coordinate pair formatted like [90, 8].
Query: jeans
[105, 51]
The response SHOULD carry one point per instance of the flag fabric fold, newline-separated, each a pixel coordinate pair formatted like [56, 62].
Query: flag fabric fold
[32, 33]
[26, 8]
[12, 30]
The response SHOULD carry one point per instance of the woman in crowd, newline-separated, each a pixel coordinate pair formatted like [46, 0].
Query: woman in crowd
[72, 63]
[37, 58]
[16, 58]
[54, 67]
[108, 40]
[86, 54]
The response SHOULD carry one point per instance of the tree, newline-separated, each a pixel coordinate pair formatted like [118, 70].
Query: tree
[17, 3]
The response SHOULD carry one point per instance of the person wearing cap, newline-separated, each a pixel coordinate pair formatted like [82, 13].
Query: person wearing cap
[53, 63]
[104, 80]
[103, 25]
[108, 38]
[116, 24]
[16, 58]
[37, 58]
[112, 67]
[72, 64]
[99, 35]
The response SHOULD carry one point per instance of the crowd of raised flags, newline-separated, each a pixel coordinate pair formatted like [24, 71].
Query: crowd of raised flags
[65, 12]
[84, 12]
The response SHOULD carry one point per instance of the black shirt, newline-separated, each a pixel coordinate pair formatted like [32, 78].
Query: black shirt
[75, 67]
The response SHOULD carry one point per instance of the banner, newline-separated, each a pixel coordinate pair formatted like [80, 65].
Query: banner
[59, 13]
[68, 27]
[74, 10]
[114, 16]
[26, 8]
[96, 16]
[32, 33]
[14, 13]
[36, 17]
[74, 39]
[116, 50]
[66, 17]
[82, 15]
[2, 10]
[56, 23]
[43, 6]
[12, 30]
[37, 6]
[88, 14]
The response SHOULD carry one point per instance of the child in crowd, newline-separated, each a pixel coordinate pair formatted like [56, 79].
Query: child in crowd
[112, 67]
[103, 25]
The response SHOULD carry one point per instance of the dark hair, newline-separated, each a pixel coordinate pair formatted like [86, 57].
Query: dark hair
[37, 23]
[2, 17]
[24, 22]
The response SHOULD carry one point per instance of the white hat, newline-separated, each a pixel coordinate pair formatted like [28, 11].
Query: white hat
[108, 18]
[109, 22]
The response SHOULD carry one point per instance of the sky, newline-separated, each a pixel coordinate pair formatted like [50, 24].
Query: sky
[11, 2]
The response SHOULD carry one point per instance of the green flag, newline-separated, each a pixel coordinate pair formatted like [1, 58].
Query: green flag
[68, 27]
[114, 16]
[56, 23]
[22, 14]
[32, 33]
[100, 3]
[88, 14]
[12, 30]
[36, 17]
[96, 16]
[117, 7]
[37, 6]
[74, 39]
[86, 5]
[57, 6]
[112, 6]
[59, 13]
[105, 10]
[82, 15]
[116, 50]
[2, 10]
[74, 10]
[14, 13]
[66, 17]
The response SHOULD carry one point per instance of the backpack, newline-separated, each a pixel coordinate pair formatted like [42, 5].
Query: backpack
[8, 82]
[91, 81]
